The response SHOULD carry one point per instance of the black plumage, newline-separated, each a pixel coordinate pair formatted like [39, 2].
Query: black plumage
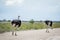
[16, 22]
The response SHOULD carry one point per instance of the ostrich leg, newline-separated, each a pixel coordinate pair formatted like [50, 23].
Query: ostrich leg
[13, 29]
[47, 30]
[16, 30]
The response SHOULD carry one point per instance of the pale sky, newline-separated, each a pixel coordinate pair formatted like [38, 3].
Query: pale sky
[30, 9]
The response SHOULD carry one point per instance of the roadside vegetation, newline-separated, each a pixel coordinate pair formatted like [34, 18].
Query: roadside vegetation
[6, 26]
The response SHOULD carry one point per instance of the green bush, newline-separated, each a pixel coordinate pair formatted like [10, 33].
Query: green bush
[5, 27]
[56, 25]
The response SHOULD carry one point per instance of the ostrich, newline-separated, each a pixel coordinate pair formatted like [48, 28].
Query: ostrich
[16, 24]
[49, 25]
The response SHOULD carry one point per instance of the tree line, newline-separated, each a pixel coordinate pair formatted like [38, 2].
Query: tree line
[4, 20]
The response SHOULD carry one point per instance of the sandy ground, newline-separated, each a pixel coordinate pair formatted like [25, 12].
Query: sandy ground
[33, 35]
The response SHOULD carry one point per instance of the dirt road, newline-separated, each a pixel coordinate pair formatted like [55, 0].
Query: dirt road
[33, 35]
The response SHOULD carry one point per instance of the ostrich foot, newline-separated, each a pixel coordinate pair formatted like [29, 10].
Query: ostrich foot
[15, 34]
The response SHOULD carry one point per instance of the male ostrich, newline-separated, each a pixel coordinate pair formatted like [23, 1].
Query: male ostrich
[16, 24]
[49, 25]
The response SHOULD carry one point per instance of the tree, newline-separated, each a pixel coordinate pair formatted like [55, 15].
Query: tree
[0, 20]
[9, 20]
[4, 20]
[31, 24]
[31, 21]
